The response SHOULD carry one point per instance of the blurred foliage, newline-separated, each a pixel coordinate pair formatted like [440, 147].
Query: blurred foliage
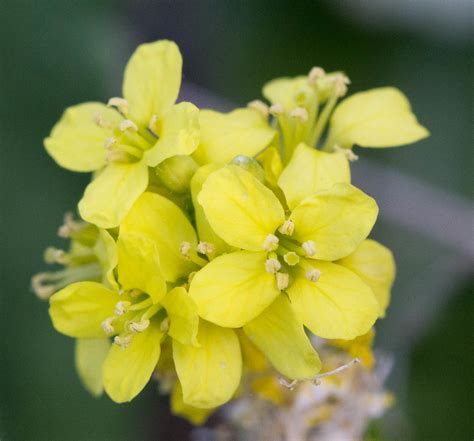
[58, 53]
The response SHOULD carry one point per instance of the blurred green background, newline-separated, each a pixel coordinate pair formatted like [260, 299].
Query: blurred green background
[58, 53]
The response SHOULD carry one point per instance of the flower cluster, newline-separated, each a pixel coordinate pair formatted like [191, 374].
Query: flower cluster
[207, 237]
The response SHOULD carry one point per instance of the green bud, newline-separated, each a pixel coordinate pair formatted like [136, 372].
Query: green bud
[176, 173]
[251, 165]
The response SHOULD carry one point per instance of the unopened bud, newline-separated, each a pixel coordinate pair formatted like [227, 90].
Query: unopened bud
[176, 172]
[251, 165]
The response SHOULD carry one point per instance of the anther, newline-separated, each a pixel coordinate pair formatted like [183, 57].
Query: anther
[134, 292]
[120, 104]
[270, 243]
[69, 226]
[98, 119]
[165, 324]
[107, 325]
[287, 228]
[118, 156]
[313, 275]
[121, 307]
[184, 249]
[315, 74]
[41, 290]
[276, 109]
[205, 248]
[259, 106]
[348, 153]
[340, 85]
[283, 280]
[309, 247]
[299, 113]
[291, 258]
[140, 326]
[109, 142]
[272, 265]
[55, 255]
[128, 124]
[123, 341]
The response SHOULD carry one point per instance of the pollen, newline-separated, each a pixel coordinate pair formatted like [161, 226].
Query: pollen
[283, 280]
[109, 142]
[287, 228]
[260, 106]
[120, 104]
[313, 275]
[123, 341]
[121, 307]
[272, 265]
[107, 325]
[205, 248]
[140, 326]
[128, 124]
[270, 243]
[184, 249]
[276, 109]
[315, 74]
[309, 247]
[299, 113]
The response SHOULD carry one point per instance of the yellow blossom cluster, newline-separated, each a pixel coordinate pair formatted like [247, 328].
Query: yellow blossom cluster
[207, 237]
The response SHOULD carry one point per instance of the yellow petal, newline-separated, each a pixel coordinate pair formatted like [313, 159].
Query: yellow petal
[205, 232]
[178, 131]
[76, 141]
[336, 220]
[163, 222]
[194, 415]
[182, 313]
[106, 251]
[233, 288]
[152, 80]
[126, 371]
[338, 305]
[289, 92]
[272, 165]
[89, 357]
[209, 374]
[377, 118]
[79, 309]
[226, 135]
[375, 265]
[239, 208]
[310, 171]
[279, 334]
[110, 195]
[139, 265]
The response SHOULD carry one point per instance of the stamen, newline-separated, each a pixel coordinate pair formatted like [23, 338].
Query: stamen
[127, 124]
[313, 275]
[109, 142]
[291, 258]
[69, 226]
[41, 290]
[107, 325]
[276, 110]
[348, 153]
[259, 106]
[55, 255]
[120, 104]
[99, 120]
[165, 325]
[272, 265]
[315, 74]
[123, 341]
[140, 326]
[309, 247]
[283, 280]
[335, 371]
[121, 307]
[270, 243]
[205, 248]
[184, 249]
[299, 113]
[287, 228]
[340, 85]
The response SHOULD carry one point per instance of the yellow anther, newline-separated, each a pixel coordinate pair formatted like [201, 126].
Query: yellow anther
[128, 124]
[291, 258]
[107, 325]
[309, 247]
[260, 106]
[165, 325]
[287, 228]
[205, 248]
[140, 326]
[283, 280]
[276, 110]
[315, 74]
[313, 275]
[272, 265]
[121, 307]
[184, 249]
[270, 243]
[120, 104]
[299, 113]
[123, 341]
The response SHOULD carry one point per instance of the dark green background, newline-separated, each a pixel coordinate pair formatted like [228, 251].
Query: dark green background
[58, 53]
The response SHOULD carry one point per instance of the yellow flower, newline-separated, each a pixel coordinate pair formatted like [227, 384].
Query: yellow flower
[243, 288]
[122, 140]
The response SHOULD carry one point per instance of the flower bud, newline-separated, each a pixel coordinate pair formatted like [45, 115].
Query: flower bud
[176, 173]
